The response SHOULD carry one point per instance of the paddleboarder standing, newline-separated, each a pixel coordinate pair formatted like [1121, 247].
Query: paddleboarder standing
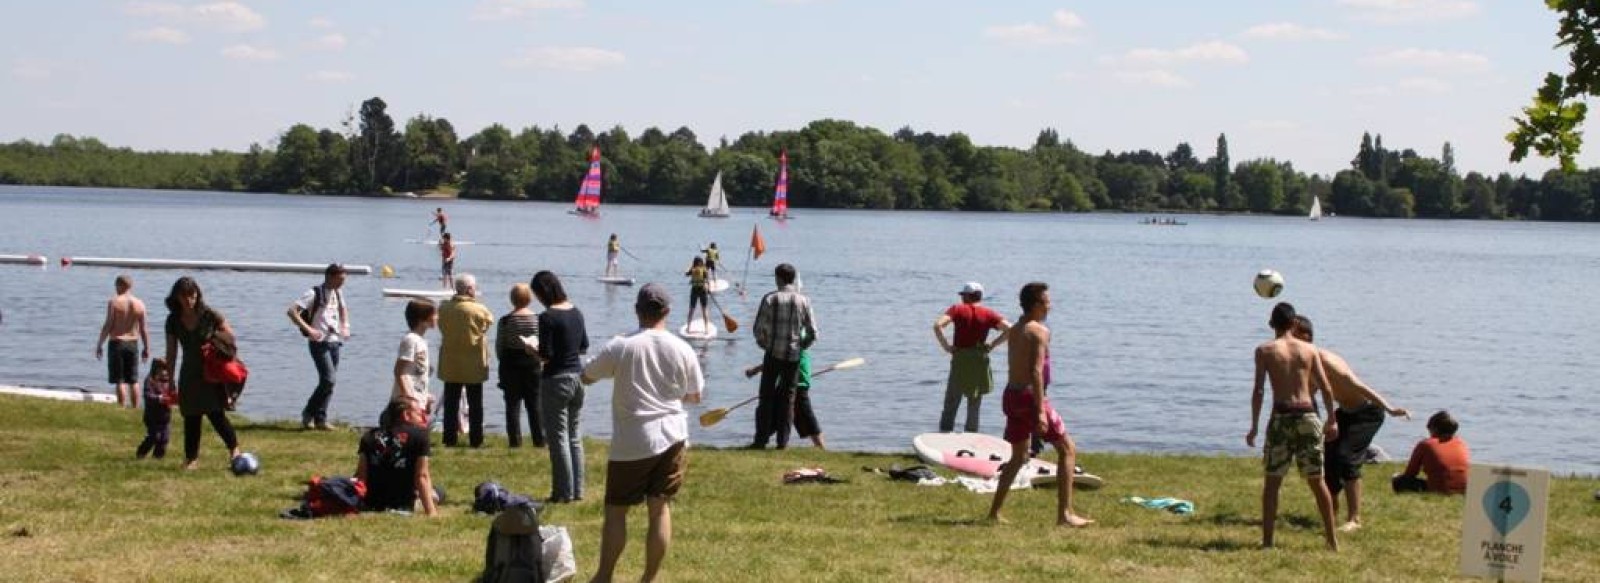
[1028, 412]
[447, 260]
[613, 249]
[970, 375]
[699, 294]
[439, 217]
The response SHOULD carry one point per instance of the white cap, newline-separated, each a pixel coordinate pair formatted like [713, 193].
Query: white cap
[972, 287]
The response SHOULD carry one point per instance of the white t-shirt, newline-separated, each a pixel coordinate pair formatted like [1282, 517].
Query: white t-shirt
[653, 371]
[414, 352]
[328, 321]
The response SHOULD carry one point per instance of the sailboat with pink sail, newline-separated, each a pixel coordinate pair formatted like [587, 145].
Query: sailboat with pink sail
[780, 196]
[588, 204]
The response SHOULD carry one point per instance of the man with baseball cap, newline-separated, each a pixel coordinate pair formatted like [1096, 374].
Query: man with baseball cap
[655, 373]
[970, 375]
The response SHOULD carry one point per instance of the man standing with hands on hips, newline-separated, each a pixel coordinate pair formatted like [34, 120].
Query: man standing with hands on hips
[323, 319]
[784, 327]
[970, 374]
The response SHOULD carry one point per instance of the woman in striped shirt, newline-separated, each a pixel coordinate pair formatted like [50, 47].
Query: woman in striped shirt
[520, 367]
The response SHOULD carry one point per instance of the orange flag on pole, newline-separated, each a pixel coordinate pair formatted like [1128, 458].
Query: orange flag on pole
[757, 245]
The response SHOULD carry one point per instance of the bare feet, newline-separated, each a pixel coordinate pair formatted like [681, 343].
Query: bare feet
[1351, 526]
[191, 465]
[996, 519]
[1074, 521]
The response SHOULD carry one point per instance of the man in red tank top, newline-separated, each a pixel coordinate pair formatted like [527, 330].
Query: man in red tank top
[970, 375]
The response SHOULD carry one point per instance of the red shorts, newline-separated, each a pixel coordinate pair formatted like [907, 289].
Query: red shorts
[1022, 416]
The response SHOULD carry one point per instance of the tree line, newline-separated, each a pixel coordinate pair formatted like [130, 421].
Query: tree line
[833, 164]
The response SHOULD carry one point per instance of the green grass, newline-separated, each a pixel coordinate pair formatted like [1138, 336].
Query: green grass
[76, 506]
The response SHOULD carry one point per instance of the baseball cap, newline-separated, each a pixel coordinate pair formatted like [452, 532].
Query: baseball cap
[972, 287]
[653, 298]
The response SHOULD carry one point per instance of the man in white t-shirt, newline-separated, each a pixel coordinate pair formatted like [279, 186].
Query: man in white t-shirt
[655, 373]
[322, 318]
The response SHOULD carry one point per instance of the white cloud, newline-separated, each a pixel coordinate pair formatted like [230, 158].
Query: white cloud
[1424, 85]
[320, 22]
[1272, 125]
[330, 42]
[1155, 77]
[1430, 59]
[160, 34]
[566, 59]
[1206, 52]
[330, 76]
[1291, 32]
[31, 69]
[516, 9]
[1063, 28]
[250, 53]
[225, 16]
[1393, 12]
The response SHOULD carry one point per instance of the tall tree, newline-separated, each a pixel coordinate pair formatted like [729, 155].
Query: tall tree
[1221, 168]
[377, 148]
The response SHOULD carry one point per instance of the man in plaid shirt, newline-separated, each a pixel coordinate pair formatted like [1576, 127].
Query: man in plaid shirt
[784, 327]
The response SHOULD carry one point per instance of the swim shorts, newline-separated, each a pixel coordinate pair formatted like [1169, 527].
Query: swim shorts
[659, 476]
[1022, 416]
[1294, 438]
[122, 362]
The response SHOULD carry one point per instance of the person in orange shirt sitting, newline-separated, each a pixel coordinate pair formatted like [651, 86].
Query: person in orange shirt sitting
[1442, 456]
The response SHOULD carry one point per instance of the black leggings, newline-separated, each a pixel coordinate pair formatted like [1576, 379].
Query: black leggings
[191, 433]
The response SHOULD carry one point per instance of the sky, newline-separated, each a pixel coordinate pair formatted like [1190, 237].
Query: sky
[1292, 80]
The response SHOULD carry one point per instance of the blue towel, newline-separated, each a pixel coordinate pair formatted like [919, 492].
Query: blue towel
[1173, 505]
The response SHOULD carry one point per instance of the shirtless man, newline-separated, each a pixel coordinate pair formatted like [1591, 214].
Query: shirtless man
[1360, 415]
[1027, 411]
[125, 326]
[1294, 433]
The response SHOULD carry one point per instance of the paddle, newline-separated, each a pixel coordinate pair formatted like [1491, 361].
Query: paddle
[630, 254]
[716, 416]
[727, 321]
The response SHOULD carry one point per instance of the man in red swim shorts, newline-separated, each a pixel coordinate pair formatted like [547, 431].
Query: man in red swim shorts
[1028, 412]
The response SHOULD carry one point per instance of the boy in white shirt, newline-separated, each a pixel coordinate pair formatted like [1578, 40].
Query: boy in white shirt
[412, 365]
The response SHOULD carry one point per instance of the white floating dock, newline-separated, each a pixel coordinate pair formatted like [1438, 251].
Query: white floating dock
[59, 394]
[24, 259]
[229, 265]
[426, 294]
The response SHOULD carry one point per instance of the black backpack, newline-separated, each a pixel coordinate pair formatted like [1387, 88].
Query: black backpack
[515, 552]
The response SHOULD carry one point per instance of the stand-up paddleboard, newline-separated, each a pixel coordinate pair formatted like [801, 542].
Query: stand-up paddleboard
[981, 455]
[698, 329]
[426, 294]
[59, 394]
[436, 242]
[718, 285]
[617, 280]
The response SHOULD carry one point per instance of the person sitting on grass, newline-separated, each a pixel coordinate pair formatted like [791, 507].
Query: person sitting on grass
[1442, 456]
[393, 461]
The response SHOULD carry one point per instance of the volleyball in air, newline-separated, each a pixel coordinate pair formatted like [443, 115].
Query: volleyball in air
[1269, 284]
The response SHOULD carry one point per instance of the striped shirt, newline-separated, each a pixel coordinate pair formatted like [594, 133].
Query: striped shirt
[784, 324]
[509, 346]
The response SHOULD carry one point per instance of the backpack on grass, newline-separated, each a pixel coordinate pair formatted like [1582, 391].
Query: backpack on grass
[515, 550]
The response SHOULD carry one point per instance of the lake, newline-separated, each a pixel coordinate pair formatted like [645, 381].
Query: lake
[1154, 325]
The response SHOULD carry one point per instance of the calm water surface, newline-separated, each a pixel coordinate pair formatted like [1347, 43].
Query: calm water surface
[1154, 326]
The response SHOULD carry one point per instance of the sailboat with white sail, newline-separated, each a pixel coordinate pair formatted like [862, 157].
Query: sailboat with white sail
[717, 203]
[1316, 208]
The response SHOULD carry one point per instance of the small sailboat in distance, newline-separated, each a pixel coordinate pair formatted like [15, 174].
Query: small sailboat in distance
[717, 204]
[588, 203]
[1316, 208]
[780, 195]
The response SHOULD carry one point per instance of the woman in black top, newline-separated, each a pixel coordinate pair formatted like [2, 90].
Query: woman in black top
[191, 324]
[520, 368]
[562, 342]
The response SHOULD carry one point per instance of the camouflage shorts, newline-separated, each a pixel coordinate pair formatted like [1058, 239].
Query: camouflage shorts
[1296, 438]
